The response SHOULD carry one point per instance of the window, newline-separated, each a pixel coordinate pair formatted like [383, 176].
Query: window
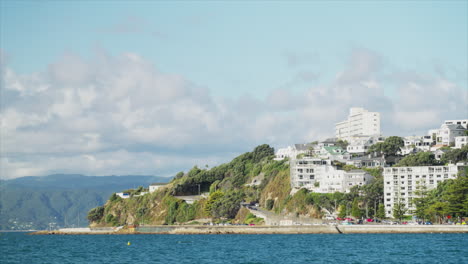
[300, 177]
[431, 181]
[410, 188]
[395, 177]
[312, 177]
[388, 200]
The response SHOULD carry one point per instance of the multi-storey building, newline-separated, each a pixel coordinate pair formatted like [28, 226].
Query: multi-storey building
[447, 133]
[460, 142]
[320, 176]
[401, 183]
[361, 144]
[462, 122]
[359, 122]
[415, 144]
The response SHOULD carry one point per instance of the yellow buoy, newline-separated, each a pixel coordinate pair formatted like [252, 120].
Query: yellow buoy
[128, 243]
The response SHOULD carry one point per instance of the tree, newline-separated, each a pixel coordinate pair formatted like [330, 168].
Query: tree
[355, 210]
[215, 196]
[342, 143]
[390, 146]
[269, 204]
[456, 195]
[399, 210]
[228, 205]
[455, 155]
[418, 159]
[342, 213]
[381, 211]
[421, 202]
[96, 214]
[438, 210]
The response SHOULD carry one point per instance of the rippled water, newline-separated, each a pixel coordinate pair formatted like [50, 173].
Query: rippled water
[314, 248]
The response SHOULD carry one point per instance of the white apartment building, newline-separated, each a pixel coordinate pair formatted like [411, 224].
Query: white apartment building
[462, 122]
[360, 122]
[320, 176]
[360, 144]
[400, 183]
[460, 142]
[446, 133]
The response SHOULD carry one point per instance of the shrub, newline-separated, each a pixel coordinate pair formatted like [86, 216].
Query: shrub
[269, 204]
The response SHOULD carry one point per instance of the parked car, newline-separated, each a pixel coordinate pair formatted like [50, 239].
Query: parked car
[428, 223]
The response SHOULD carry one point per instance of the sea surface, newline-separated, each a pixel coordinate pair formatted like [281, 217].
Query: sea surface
[313, 248]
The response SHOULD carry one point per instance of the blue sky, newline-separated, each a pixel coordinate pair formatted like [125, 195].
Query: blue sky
[288, 70]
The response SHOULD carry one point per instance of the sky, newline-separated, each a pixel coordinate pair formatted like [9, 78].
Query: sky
[156, 87]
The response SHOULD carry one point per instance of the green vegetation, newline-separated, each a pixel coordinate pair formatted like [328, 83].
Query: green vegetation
[455, 155]
[450, 198]
[418, 159]
[390, 146]
[226, 186]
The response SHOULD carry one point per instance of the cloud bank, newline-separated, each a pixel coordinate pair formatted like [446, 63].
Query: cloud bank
[122, 115]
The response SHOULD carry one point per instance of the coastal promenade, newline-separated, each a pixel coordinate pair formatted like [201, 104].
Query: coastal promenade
[312, 229]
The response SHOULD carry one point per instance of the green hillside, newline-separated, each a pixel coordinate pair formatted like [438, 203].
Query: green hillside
[226, 186]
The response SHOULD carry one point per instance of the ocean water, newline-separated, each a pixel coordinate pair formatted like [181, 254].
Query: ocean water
[313, 248]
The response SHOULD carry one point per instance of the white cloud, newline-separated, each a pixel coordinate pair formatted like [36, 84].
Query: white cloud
[121, 115]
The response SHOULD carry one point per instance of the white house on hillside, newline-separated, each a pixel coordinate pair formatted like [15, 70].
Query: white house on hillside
[360, 122]
[320, 176]
[446, 133]
[462, 122]
[460, 142]
[360, 144]
[415, 144]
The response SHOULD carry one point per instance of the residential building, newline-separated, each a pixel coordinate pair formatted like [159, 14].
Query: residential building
[123, 195]
[360, 144]
[438, 153]
[462, 122]
[368, 161]
[360, 122]
[333, 153]
[447, 133]
[460, 142]
[414, 144]
[284, 153]
[401, 183]
[321, 176]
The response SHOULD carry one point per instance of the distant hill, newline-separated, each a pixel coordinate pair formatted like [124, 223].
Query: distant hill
[60, 199]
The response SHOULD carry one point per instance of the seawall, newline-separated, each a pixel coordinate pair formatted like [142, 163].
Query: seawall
[313, 229]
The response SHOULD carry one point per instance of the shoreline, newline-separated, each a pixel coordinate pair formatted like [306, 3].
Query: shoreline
[317, 229]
